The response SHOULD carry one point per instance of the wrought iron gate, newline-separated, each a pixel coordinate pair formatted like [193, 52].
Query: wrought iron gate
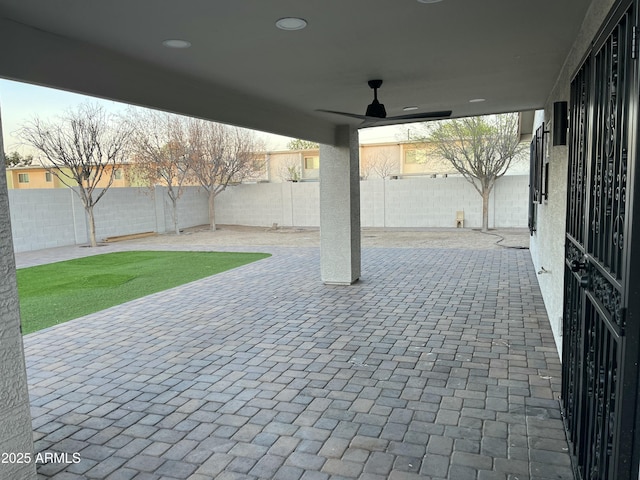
[600, 328]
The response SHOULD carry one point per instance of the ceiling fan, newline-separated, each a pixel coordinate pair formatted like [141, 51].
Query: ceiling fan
[376, 114]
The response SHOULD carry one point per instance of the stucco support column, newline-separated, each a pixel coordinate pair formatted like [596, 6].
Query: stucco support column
[15, 419]
[340, 209]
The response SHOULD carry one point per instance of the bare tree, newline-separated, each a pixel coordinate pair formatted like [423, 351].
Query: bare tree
[161, 154]
[220, 156]
[382, 164]
[289, 170]
[479, 148]
[82, 148]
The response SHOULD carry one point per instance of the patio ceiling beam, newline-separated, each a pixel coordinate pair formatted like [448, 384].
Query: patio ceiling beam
[51, 60]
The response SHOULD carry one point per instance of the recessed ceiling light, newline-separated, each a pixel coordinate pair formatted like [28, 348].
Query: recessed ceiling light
[408, 109]
[176, 43]
[429, 1]
[477, 100]
[291, 23]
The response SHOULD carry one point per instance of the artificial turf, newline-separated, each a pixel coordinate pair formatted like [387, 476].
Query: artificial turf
[58, 292]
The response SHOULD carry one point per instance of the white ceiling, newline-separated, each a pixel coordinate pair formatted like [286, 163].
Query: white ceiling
[242, 70]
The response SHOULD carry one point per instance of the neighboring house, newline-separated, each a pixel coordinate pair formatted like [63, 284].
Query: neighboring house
[35, 176]
[377, 160]
[291, 166]
[385, 160]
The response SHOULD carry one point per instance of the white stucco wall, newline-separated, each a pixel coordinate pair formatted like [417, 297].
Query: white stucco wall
[547, 244]
[15, 419]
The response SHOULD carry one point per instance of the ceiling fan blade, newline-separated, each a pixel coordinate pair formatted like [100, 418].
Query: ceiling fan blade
[397, 120]
[425, 115]
[345, 114]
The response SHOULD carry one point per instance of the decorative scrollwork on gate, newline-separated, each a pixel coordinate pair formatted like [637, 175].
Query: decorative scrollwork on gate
[578, 117]
[609, 160]
[598, 369]
[608, 296]
[573, 253]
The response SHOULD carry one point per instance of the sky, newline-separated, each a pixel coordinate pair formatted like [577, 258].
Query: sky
[22, 102]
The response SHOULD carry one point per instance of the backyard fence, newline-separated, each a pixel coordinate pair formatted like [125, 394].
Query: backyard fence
[402, 203]
[45, 218]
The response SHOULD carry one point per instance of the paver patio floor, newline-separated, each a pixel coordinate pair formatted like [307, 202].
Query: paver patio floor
[438, 364]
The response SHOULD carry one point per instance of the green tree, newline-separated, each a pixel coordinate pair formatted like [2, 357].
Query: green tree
[14, 159]
[479, 148]
[299, 144]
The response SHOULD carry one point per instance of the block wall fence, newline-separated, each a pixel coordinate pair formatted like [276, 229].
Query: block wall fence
[46, 218]
[403, 203]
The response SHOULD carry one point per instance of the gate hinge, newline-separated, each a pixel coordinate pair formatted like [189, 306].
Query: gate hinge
[621, 315]
[634, 42]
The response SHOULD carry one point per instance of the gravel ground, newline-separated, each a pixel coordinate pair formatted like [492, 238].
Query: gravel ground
[232, 235]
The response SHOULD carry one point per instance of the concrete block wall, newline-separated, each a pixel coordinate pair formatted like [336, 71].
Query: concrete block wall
[372, 202]
[124, 211]
[510, 201]
[305, 204]
[55, 217]
[263, 204]
[403, 203]
[46, 218]
[193, 208]
[431, 202]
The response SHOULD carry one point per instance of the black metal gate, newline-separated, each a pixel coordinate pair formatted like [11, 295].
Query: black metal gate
[600, 325]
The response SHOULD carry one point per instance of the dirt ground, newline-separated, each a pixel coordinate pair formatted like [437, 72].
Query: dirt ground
[230, 235]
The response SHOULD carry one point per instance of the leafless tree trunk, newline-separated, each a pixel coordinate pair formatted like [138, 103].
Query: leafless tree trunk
[220, 156]
[161, 154]
[212, 210]
[485, 210]
[82, 148]
[479, 148]
[92, 225]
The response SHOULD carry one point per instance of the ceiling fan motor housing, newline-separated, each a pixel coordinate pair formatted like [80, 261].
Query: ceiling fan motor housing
[376, 109]
[377, 114]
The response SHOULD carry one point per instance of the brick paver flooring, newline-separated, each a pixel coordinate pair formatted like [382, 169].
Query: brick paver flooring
[438, 364]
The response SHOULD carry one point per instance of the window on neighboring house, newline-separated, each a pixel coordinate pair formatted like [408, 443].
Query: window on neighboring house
[118, 174]
[48, 177]
[415, 155]
[311, 163]
[23, 178]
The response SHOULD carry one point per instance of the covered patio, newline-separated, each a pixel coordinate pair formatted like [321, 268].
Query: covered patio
[426, 362]
[439, 365]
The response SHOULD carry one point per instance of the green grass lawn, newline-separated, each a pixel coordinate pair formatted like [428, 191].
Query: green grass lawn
[58, 292]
